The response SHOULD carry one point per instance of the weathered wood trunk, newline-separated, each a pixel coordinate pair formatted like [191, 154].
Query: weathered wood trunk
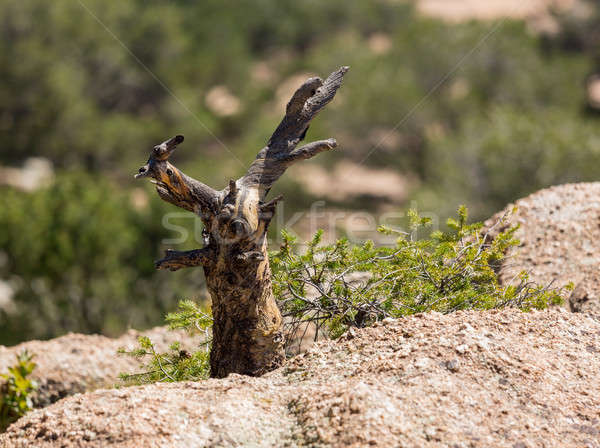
[247, 330]
[249, 338]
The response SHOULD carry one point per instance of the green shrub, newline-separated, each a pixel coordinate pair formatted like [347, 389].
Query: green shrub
[176, 364]
[16, 390]
[340, 286]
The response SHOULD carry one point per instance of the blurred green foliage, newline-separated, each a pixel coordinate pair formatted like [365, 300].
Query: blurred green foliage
[80, 257]
[84, 100]
[475, 113]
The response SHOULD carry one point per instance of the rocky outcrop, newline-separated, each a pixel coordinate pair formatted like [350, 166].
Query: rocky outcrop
[468, 379]
[77, 363]
[560, 241]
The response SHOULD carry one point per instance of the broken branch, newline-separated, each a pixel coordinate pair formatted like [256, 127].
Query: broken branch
[272, 161]
[175, 260]
[175, 187]
[310, 150]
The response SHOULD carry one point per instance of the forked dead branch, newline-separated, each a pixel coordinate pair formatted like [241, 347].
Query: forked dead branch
[247, 330]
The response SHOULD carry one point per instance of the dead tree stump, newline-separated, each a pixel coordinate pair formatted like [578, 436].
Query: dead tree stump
[247, 330]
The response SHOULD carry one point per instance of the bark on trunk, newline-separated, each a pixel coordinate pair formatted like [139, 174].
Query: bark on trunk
[247, 330]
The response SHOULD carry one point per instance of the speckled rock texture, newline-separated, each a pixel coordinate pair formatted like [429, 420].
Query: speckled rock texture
[77, 363]
[560, 241]
[468, 379]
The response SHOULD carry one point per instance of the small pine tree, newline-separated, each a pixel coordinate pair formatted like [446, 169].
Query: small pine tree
[176, 364]
[448, 271]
